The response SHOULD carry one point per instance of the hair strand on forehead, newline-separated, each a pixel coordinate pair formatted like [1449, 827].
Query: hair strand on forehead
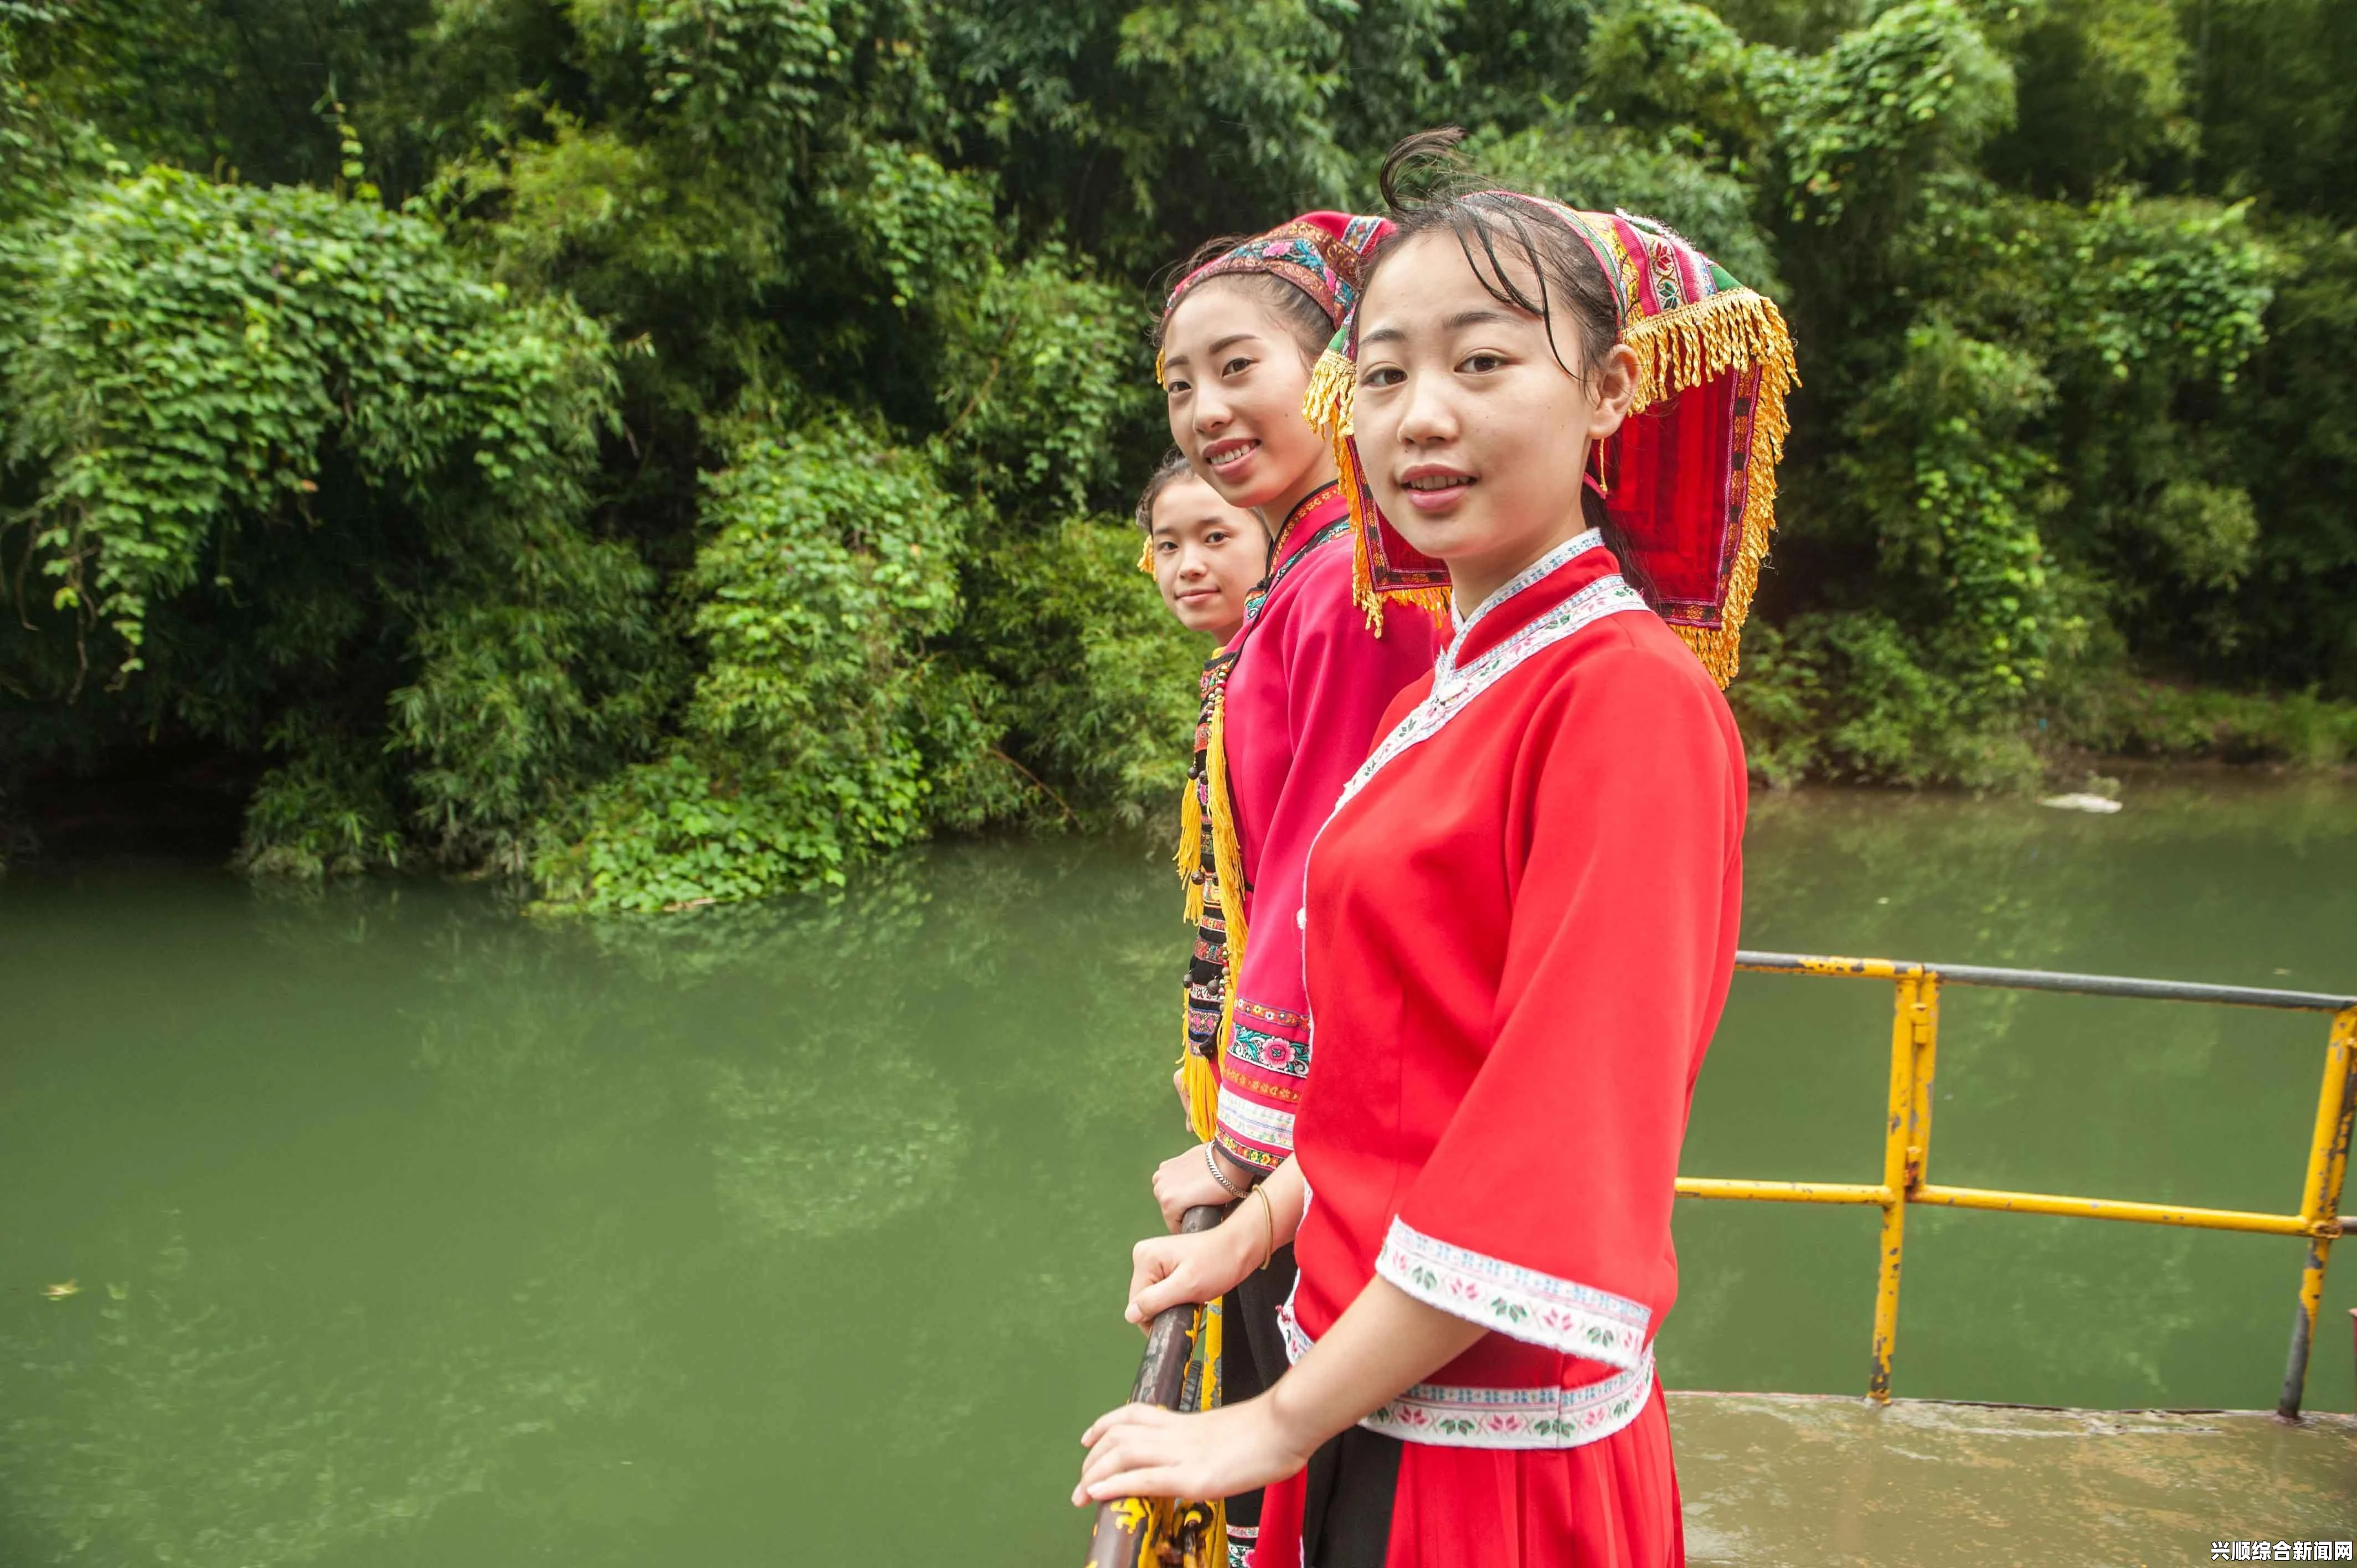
[1563, 272]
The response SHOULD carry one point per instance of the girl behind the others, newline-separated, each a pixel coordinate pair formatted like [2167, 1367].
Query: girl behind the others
[1206, 556]
[1520, 920]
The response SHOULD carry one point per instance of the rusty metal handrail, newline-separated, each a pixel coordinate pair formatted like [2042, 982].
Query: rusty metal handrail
[1907, 1140]
[1128, 1528]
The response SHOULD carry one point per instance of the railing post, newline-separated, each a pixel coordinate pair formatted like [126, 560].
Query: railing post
[1898, 1134]
[1925, 1018]
[2320, 1200]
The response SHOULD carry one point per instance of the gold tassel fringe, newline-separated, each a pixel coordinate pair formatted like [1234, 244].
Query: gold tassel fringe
[1433, 602]
[1326, 404]
[1188, 856]
[1156, 1523]
[1201, 1078]
[1687, 347]
[1214, 1348]
[1696, 343]
[1228, 860]
[1354, 496]
[1191, 1534]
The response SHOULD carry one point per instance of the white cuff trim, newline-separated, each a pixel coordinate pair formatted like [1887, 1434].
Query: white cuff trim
[1561, 1315]
[1452, 1415]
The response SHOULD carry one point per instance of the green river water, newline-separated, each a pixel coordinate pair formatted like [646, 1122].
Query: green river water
[404, 1230]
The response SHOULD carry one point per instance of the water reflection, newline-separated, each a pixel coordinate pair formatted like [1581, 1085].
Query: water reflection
[177, 1419]
[414, 1232]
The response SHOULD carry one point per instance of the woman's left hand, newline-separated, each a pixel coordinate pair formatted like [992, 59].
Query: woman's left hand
[1143, 1451]
[1185, 1181]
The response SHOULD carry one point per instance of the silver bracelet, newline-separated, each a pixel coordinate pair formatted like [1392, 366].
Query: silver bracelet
[1211, 1160]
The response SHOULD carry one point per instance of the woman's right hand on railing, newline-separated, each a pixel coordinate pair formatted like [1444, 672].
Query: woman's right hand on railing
[1169, 1271]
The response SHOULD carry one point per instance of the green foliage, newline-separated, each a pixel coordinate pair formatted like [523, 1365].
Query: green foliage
[1267, 66]
[747, 76]
[832, 558]
[1599, 167]
[2144, 718]
[1672, 62]
[2102, 90]
[1917, 89]
[225, 396]
[665, 445]
[1937, 467]
[326, 811]
[1045, 391]
[1100, 679]
[2290, 441]
[1850, 695]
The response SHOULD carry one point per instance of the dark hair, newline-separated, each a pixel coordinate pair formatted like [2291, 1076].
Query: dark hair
[1452, 196]
[1173, 466]
[1302, 316]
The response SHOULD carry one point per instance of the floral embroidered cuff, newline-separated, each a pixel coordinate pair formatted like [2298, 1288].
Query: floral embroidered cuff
[1562, 1314]
[1453, 1415]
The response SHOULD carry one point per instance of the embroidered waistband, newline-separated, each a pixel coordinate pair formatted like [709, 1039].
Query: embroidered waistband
[1452, 1415]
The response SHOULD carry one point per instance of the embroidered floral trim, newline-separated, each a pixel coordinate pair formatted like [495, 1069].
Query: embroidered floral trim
[1251, 1131]
[1452, 688]
[1273, 1052]
[1528, 577]
[1562, 1314]
[1338, 528]
[1456, 1415]
[1277, 1015]
[1244, 1154]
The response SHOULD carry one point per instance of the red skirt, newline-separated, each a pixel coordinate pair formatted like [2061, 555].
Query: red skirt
[1613, 1503]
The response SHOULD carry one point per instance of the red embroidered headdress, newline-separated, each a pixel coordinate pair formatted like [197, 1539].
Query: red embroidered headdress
[1692, 471]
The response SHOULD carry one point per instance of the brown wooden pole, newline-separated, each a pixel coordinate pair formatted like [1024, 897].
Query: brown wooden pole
[1169, 1345]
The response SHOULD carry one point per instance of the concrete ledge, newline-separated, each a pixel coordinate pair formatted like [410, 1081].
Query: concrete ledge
[1775, 1479]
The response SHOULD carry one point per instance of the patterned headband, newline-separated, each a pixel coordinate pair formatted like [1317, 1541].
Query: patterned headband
[1323, 254]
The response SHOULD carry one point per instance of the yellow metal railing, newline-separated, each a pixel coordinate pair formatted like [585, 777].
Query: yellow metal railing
[1907, 1139]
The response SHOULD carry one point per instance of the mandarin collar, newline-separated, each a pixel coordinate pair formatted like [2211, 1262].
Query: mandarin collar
[1521, 582]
